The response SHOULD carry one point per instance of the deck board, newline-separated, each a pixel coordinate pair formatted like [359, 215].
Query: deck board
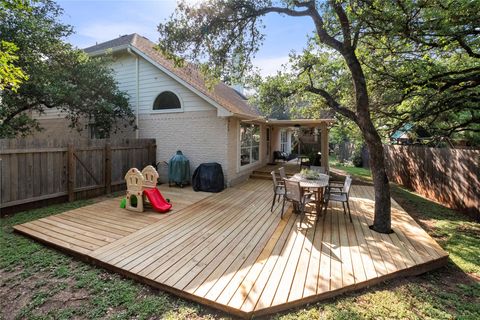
[228, 251]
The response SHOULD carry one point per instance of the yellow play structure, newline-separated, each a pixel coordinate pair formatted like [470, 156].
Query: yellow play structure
[143, 187]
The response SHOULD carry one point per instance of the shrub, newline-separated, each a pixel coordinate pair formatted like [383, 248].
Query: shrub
[357, 159]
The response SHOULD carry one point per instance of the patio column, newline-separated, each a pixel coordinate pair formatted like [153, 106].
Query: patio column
[324, 145]
[274, 140]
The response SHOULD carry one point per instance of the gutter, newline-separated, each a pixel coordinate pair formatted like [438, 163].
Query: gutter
[248, 118]
[137, 90]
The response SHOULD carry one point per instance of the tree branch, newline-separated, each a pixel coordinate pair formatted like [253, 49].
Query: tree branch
[13, 114]
[303, 4]
[344, 23]
[321, 32]
[290, 12]
[333, 104]
[467, 48]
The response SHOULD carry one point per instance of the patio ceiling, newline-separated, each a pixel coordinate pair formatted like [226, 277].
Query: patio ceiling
[292, 123]
[299, 122]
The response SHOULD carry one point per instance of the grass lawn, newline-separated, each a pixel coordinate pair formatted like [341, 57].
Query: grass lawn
[41, 283]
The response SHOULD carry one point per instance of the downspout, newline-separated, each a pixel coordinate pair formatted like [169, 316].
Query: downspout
[137, 89]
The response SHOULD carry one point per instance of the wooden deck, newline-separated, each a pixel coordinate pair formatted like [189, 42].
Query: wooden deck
[228, 251]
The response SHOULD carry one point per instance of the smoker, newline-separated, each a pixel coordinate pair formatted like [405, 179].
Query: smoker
[179, 170]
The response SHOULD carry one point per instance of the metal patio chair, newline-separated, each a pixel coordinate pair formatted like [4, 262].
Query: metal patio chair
[319, 169]
[283, 175]
[278, 189]
[293, 193]
[339, 194]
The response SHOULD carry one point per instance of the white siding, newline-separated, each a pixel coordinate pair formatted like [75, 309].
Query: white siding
[125, 74]
[153, 82]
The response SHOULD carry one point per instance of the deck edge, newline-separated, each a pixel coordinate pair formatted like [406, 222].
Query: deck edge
[412, 271]
[95, 262]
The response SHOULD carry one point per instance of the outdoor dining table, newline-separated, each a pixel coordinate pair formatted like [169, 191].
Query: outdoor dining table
[317, 184]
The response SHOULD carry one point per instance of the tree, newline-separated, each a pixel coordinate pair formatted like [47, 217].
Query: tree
[10, 75]
[226, 29]
[60, 77]
[427, 54]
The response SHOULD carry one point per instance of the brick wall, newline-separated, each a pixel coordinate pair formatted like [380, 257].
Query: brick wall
[201, 136]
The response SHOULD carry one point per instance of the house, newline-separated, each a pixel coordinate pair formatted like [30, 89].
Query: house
[175, 106]
[410, 134]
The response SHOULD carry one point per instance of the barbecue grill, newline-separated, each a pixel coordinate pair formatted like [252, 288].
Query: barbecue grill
[179, 170]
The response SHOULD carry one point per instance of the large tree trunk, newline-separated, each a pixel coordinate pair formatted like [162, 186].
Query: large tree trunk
[382, 218]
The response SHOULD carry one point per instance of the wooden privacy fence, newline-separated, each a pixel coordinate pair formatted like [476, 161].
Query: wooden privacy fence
[449, 176]
[34, 171]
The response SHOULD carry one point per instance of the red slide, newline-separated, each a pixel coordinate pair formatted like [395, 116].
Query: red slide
[157, 201]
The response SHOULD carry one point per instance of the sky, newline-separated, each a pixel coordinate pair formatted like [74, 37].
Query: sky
[99, 21]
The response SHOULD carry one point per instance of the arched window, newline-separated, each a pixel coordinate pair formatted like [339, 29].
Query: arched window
[166, 100]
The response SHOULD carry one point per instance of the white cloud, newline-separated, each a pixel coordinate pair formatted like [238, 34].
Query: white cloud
[270, 66]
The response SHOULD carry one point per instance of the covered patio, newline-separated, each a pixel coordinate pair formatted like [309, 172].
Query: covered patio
[317, 139]
[299, 137]
[228, 251]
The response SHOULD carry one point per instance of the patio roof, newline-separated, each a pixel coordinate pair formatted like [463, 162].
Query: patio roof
[300, 122]
[291, 123]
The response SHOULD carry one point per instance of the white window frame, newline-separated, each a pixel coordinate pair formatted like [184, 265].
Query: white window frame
[173, 110]
[246, 166]
[283, 140]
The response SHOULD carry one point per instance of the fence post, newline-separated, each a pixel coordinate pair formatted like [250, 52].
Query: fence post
[71, 172]
[108, 168]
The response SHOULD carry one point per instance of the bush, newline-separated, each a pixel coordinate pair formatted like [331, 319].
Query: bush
[357, 159]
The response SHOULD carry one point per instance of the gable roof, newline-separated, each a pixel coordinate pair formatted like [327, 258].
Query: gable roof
[221, 93]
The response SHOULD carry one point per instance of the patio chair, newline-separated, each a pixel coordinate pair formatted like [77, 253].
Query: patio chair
[319, 169]
[293, 193]
[339, 194]
[335, 183]
[283, 175]
[278, 189]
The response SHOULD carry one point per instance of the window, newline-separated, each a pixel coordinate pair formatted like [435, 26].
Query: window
[167, 100]
[284, 141]
[249, 143]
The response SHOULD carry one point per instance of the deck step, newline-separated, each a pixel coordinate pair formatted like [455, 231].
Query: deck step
[264, 175]
[260, 176]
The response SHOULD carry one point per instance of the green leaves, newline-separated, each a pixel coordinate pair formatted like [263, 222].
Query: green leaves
[225, 32]
[11, 76]
[421, 60]
[60, 77]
